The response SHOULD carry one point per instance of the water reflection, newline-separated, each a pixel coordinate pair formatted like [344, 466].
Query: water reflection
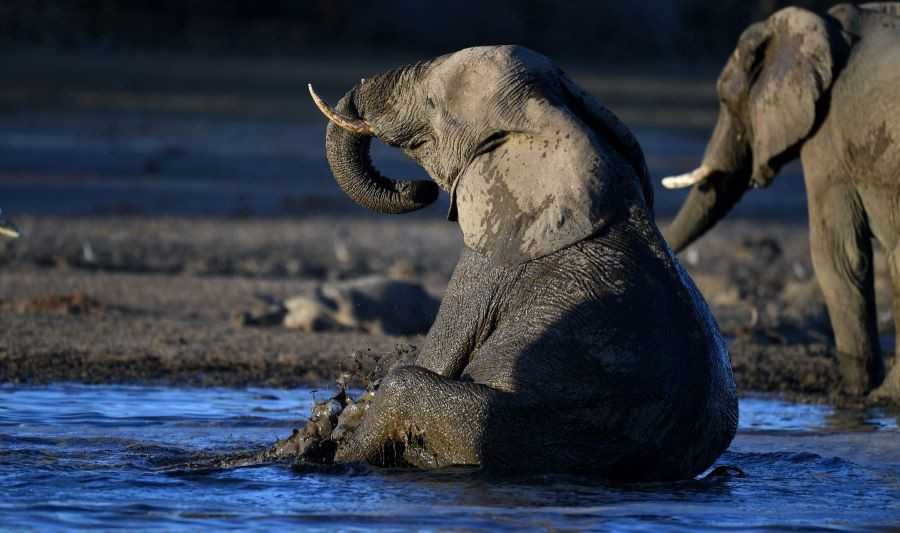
[762, 413]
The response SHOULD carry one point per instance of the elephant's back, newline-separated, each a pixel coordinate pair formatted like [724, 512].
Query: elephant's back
[863, 127]
[867, 90]
[621, 342]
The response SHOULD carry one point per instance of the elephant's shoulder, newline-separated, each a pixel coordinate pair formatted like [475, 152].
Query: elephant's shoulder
[867, 19]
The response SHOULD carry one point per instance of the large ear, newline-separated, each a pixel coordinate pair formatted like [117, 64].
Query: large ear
[553, 182]
[610, 128]
[794, 71]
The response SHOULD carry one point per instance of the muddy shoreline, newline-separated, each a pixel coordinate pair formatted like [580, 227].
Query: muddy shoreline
[155, 300]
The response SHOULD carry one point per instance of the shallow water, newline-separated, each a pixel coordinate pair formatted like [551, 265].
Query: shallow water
[101, 456]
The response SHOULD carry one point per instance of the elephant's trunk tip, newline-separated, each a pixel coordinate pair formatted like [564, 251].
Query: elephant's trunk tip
[687, 180]
[355, 125]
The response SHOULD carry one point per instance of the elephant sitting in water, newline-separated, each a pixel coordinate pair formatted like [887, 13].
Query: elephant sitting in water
[826, 89]
[570, 339]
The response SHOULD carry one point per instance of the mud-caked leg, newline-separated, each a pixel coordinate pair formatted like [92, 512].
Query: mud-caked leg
[421, 418]
[842, 256]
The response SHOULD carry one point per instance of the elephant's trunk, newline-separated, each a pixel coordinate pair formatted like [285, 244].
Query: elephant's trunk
[706, 204]
[718, 183]
[347, 142]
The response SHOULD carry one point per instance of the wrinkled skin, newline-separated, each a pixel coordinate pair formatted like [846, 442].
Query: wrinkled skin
[826, 89]
[569, 339]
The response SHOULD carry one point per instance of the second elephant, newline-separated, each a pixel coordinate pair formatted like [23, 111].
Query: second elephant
[826, 89]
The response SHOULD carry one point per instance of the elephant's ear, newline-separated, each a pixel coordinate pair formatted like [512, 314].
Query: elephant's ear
[794, 71]
[609, 127]
[547, 186]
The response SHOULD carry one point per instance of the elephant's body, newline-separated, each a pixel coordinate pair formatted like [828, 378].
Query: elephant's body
[858, 143]
[834, 100]
[851, 167]
[570, 339]
[573, 365]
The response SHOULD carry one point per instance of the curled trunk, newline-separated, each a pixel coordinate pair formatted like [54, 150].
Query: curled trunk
[348, 156]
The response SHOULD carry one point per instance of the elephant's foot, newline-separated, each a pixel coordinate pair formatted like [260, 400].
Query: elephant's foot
[316, 443]
[330, 424]
[419, 418]
[860, 375]
[889, 391]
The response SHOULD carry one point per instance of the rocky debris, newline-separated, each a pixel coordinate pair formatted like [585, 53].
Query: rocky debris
[378, 305]
[767, 362]
[375, 304]
[266, 311]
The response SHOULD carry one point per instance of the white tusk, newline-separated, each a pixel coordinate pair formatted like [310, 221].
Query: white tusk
[687, 180]
[8, 229]
[350, 124]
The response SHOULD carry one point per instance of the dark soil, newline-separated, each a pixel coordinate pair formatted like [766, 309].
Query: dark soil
[140, 309]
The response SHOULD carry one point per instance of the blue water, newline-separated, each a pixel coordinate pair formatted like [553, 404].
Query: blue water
[102, 456]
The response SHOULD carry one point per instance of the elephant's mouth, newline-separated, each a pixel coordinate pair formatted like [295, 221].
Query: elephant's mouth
[490, 143]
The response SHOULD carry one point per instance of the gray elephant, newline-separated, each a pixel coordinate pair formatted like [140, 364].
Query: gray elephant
[826, 89]
[569, 339]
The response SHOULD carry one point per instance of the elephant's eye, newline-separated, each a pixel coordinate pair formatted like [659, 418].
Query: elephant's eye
[413, 145]
[491, 142]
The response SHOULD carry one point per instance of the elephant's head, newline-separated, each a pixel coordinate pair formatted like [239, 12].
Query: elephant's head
[773, 95]
[531, 162]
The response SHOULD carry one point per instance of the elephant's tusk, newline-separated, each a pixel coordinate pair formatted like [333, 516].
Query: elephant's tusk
[350, 124]
[8, 229]
[688, 179]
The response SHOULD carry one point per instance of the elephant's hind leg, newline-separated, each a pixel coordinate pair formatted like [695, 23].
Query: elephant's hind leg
[842, 256]
[424, 419]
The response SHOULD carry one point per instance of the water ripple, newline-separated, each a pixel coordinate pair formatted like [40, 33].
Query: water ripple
[103, 457]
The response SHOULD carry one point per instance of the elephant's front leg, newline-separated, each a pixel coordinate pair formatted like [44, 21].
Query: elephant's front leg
[464, 320]
[421, 418]
[891, 386]
[842, 257]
